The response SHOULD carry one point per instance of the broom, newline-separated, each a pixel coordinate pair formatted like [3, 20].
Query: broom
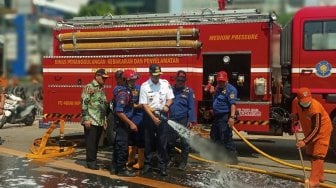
[306, 182]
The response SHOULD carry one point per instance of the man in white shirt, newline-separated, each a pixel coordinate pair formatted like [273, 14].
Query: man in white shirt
[156, 96]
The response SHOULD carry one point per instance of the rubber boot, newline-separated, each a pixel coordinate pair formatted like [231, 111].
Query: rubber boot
[141, 157]
[184, 160]
[131, 155]
[315, 175]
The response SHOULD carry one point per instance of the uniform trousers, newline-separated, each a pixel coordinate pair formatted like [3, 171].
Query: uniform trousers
[155, 137]
[120, 154]
[221, 132]
[92, 136]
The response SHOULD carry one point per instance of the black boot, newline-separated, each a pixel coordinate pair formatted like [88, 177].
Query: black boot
[163, 172]
[146, 169]
[92, 165]
[171, 162]
[124, 172]
[183, 164]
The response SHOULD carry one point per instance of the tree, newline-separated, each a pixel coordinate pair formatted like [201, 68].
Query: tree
[283, 19]
[96, 9]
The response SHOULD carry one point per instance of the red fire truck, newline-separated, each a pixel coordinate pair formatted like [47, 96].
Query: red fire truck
[245, 43]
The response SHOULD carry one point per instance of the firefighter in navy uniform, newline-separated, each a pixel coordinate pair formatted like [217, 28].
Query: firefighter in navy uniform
[182, 111]
[224, 108]
[137, 139]
[111, 129]
[123, 115]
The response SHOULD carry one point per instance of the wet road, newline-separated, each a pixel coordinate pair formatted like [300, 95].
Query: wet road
[20, 172]
[17, 171]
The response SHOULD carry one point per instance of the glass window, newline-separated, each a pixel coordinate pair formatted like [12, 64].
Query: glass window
[320, 35]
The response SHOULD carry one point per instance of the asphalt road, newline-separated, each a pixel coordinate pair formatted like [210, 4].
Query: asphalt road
[18, 139]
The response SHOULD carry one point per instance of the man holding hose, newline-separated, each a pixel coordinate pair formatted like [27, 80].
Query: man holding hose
[316, 126]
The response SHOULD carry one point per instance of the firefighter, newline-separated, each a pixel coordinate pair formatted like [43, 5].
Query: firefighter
[317, 128]
[182, 111]
[123, 115]
[94, 107]
[224, 108]
[111, 129]
[156, 96]
[137, 139]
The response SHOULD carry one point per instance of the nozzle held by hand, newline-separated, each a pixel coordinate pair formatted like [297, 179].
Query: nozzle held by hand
[161, 116]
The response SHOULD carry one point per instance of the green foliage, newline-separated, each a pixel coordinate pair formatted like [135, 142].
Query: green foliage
[96, 9]
[283, 19]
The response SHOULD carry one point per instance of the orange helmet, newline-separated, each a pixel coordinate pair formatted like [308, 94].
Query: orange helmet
[130, 75]
[222, 76]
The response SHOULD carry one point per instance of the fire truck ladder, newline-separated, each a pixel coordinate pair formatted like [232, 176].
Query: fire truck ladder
[206, 15]
[178, 38]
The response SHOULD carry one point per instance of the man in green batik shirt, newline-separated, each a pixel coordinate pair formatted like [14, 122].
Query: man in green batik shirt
[94, 106]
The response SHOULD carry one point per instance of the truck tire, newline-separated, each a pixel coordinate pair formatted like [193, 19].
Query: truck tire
[3, 120]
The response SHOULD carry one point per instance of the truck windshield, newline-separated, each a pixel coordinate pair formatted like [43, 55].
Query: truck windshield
[320, 35]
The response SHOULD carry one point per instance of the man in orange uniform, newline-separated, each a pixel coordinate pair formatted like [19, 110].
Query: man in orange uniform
[317, 127]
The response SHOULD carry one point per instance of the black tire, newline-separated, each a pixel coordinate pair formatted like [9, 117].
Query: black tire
[29, 120]
[3, 121]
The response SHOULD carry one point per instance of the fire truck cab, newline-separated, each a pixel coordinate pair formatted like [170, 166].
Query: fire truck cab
[244, 43]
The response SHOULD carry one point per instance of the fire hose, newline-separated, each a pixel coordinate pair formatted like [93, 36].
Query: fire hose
[275, 174]
[274, 158]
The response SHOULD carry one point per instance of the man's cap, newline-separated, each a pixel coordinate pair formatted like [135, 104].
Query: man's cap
[102, 72]
[181, 76]
[118, 74]
[155, 69]
[304, 95]
[222, 76]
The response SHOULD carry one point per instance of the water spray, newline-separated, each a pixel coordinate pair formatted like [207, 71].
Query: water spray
[205, 147]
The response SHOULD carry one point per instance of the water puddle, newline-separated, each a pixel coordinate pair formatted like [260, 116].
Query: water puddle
[20, 172]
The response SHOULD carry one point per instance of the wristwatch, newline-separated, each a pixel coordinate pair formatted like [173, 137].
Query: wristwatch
[232, 117]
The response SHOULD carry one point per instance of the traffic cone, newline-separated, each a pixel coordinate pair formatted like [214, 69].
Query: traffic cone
[131, 155]
[141, 157]
[315, 174]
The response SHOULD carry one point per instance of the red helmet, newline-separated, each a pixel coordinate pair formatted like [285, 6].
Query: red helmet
[130, 75]
[222, 76]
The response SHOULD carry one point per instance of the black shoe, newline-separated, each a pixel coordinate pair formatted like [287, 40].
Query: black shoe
[163, 172]
[182, 166]
[171, 163]
[146, 169]
[92, 166]
[124, 172]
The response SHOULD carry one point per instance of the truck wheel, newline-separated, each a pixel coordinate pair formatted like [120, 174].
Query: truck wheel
[333, 136]
[3, 120]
